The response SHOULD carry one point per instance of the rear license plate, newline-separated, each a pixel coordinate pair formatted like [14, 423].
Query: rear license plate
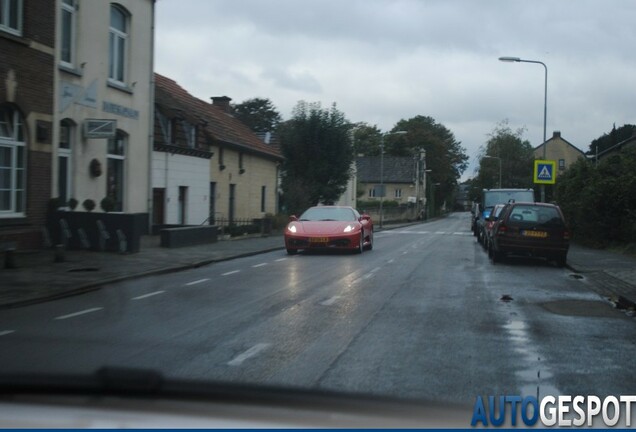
[538, 234]
[318, 239]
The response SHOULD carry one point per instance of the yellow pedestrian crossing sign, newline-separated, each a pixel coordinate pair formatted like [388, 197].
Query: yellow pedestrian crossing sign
[545, 171]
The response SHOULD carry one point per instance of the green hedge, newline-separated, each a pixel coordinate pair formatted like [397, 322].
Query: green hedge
[599, 202]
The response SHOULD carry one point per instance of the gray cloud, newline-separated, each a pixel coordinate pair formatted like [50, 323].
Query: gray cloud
[383, 60]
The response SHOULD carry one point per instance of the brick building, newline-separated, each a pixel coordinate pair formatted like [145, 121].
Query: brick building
[27, 53]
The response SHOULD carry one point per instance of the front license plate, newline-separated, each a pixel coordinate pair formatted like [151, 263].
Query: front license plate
[538, 234]
[318, 240]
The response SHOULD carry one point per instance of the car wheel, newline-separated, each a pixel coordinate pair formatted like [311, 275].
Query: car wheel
[292, 251]
[360, 248]
[496, 256]
[370, 246]
[561, 260]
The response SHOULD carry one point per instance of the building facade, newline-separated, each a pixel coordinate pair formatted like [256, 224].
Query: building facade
[208, 167]
[27, 57]
[559, 150]
[103, 103]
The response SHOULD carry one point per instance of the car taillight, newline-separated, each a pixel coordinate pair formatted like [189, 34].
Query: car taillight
[502, 230]
[566, 235]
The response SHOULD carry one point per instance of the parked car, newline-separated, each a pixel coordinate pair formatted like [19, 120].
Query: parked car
[329, 227]
[480, 223]
[474, 210]
[489, 223]
[535, 229]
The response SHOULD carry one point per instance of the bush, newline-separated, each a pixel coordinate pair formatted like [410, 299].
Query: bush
[599, 202]
[72, 203]
[107, 204]
[89, 205]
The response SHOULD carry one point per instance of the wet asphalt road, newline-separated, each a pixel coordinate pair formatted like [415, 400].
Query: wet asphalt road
[419, 316]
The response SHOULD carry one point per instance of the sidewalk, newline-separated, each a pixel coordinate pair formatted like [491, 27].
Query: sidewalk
[612, 275]
[38, 278]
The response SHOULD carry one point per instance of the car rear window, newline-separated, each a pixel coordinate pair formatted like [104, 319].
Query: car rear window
[536, 215]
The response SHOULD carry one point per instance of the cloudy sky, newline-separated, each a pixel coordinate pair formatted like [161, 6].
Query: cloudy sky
[384, 60]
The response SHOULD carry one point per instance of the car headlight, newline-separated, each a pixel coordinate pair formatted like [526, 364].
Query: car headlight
[349, 228]
[292, 228]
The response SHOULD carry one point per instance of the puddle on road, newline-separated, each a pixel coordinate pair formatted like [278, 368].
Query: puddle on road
[532, 376]
[581, 308]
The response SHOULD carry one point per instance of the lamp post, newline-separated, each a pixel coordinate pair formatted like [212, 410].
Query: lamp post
[495, 157]
[545, 104]
[382, 171]
[428, 200]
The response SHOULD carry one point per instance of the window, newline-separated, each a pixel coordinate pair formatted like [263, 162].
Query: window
[115, 173]
[263, 194]
[398, 193]
[240, 163]
[11, 16]
[166, 127]
[221, 164]
[117, 44]
[561, 164]
[372, 193]
[12, 163]
[67, 43]
[190, 132]
[64, 152]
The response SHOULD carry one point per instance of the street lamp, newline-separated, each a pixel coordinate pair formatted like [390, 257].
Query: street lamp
[495, 157]
[545, 104]
[428, 200]
[382, 171]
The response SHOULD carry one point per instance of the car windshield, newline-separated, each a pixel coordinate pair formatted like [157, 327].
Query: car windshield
[180, 183]
[328, 214]
[537, 215]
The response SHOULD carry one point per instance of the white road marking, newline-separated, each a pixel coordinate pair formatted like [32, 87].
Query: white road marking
[375, 270]
[85, 311]
[148, 295]
[259, 265]
[230, 272]
[405, 252]
[197, 282]
[367, 276]
[330, 301]
[440, 232]
[391, 261]
[239, 359]
[281, 259]
[6, 332]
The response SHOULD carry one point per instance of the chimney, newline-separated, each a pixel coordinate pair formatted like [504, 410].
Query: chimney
[556, 134]
[223, 102]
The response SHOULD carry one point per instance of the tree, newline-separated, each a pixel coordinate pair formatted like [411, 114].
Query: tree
[259, 114]
[444, 154]
[366, 139]
[317, 147]
[615, 136]
[516, 158]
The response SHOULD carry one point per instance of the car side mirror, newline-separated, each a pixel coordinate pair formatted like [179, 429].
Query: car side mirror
[365, 217]
[293, 218]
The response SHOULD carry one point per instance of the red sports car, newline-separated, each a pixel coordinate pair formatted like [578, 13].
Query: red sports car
[329, 227]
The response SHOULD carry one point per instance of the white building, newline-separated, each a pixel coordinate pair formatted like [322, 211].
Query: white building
[104, 88]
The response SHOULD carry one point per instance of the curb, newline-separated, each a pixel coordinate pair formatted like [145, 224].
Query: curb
[621, 302]
[94, 286]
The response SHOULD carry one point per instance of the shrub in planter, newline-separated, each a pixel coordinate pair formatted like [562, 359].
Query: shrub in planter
[89, 205]
[107, 204]
[72, 203]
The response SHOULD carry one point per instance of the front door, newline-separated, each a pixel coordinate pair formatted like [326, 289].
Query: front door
[158, 206]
